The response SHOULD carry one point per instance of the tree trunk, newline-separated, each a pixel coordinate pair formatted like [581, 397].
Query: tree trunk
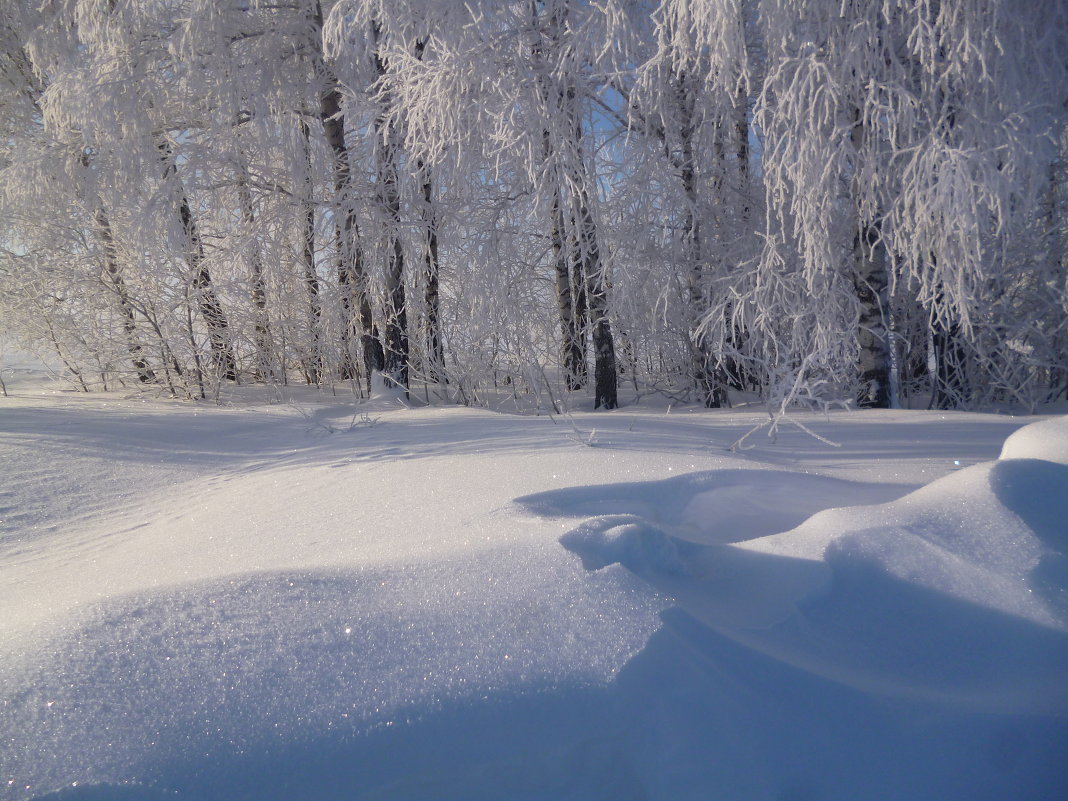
[387, 154]
[947, 359]
[312, 362]
[356, 308]
[580, 299]
[741, 142]
[871, 280]
[113, 271]
[572, 356]
[435, 354]
[604, 351]
[736, 373]
[350, 276]
[588, 252]
[709, 378]
[222, 353]
[264, 347]
[567, 261]
[129, 321]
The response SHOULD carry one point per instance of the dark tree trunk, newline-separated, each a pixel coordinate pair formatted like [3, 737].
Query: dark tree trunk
[709, 377]
[572, 291]
[736, 373]
[356, 308]
[387, 156]
[126, 308]
[948, 358]
[222, 353]
[580, 298]
[312, 362]
[871, 281]
[435, 353]
[741, 132]
[604, 350]
[264, 346]
[572, 353]
[606, 374]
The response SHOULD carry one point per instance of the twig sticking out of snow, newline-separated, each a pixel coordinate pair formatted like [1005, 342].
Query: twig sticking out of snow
[799, 389]
[579, 436]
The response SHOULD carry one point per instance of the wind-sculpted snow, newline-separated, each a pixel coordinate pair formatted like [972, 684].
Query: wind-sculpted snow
[716, 507]
[976, 535]
[209, 682]
[325, 603]
[661, 527]
[1046, 440]
[955, 591]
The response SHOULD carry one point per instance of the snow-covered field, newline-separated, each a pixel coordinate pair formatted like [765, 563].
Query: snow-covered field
[291, 596]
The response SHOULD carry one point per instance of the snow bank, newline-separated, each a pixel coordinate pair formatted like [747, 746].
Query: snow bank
[1046, 440]
[715, 507]
[956, 591]
[978, 535]
[215, 678]
[277, 603]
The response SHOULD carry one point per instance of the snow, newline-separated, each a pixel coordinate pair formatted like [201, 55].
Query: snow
[292, 595]
[1047, 440]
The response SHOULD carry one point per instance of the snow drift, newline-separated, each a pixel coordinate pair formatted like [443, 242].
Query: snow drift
[282, 603]
[956, 591]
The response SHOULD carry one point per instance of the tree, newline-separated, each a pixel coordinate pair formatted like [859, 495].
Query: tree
[819, 201]
[689, 94]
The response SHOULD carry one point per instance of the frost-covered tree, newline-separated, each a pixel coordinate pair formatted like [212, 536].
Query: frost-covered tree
[267, 82]
[64, 273]
[833, 200]
[509, 86]
[903, 148]
[682, 72]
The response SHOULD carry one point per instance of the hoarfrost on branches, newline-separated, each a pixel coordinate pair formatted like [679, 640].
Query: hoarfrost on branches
[855, 201]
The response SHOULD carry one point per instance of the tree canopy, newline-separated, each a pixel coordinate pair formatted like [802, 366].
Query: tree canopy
[822, 201]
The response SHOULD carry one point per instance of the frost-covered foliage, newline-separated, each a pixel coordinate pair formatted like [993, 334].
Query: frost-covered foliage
[828, 200]
[926, 132]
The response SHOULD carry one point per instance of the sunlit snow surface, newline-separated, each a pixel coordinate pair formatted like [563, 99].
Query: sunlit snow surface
[306, 599]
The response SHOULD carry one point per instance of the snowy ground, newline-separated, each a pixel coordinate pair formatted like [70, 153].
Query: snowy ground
[293, 597]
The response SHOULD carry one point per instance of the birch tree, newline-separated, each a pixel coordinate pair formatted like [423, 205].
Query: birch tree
[689, 94]
[849, 201]
[35, 158]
